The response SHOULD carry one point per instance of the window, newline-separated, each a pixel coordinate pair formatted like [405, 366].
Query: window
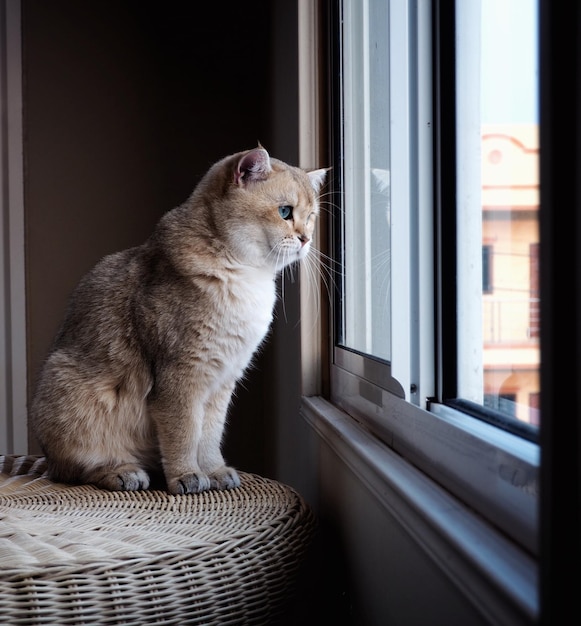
[436, 319]
[487, 252]
[497, 200]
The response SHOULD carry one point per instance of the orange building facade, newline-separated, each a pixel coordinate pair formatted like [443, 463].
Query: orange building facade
[510, 240]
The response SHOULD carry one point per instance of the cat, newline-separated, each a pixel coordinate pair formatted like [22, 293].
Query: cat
[155, 338]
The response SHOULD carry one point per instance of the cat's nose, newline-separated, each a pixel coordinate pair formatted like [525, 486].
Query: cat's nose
[303, 239]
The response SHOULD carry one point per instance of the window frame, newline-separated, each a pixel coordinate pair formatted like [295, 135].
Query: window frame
[13, 332]
[493, 471]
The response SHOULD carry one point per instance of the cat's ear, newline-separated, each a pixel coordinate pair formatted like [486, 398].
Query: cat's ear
[318, 177]
[252, 167]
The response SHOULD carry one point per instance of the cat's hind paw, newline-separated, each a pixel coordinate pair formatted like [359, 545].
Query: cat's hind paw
[225, 478]
[123, 478]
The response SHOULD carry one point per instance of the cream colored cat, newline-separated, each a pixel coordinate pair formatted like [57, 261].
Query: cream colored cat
[155, 338]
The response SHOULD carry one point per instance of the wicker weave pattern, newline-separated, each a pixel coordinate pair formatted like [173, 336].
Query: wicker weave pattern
[82, 555]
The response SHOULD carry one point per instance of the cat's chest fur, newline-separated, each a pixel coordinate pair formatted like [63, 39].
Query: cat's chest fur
[220, 320]
[243, 307]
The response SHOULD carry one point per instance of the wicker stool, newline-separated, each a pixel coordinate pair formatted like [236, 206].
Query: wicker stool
[82, 555]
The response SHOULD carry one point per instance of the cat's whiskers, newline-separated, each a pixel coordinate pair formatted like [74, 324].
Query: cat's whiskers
[321, 272]
[327, 269]
[280, 251]
[282, 287]
[329, 205]
[311, 272]
[288, 272]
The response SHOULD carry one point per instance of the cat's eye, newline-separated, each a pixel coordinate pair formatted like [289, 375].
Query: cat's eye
[285, 211]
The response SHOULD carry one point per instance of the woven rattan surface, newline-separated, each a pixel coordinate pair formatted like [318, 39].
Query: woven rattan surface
[83, 555]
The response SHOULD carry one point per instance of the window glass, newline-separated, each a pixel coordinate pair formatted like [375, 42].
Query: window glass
[365, 324]
[498, 202]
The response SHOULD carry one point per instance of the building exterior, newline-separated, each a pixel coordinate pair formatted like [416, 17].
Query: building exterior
[510, 253]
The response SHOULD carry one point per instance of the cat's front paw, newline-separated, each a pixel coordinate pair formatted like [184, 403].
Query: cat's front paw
[225, 478]
[194, 482]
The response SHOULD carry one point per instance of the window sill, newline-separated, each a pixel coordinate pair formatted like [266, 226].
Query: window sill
[492, 572]
[492, 471]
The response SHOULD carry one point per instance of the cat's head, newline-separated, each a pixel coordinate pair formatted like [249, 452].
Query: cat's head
[267, 210]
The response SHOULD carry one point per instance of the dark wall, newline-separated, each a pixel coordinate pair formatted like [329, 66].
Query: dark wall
[126, 104]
